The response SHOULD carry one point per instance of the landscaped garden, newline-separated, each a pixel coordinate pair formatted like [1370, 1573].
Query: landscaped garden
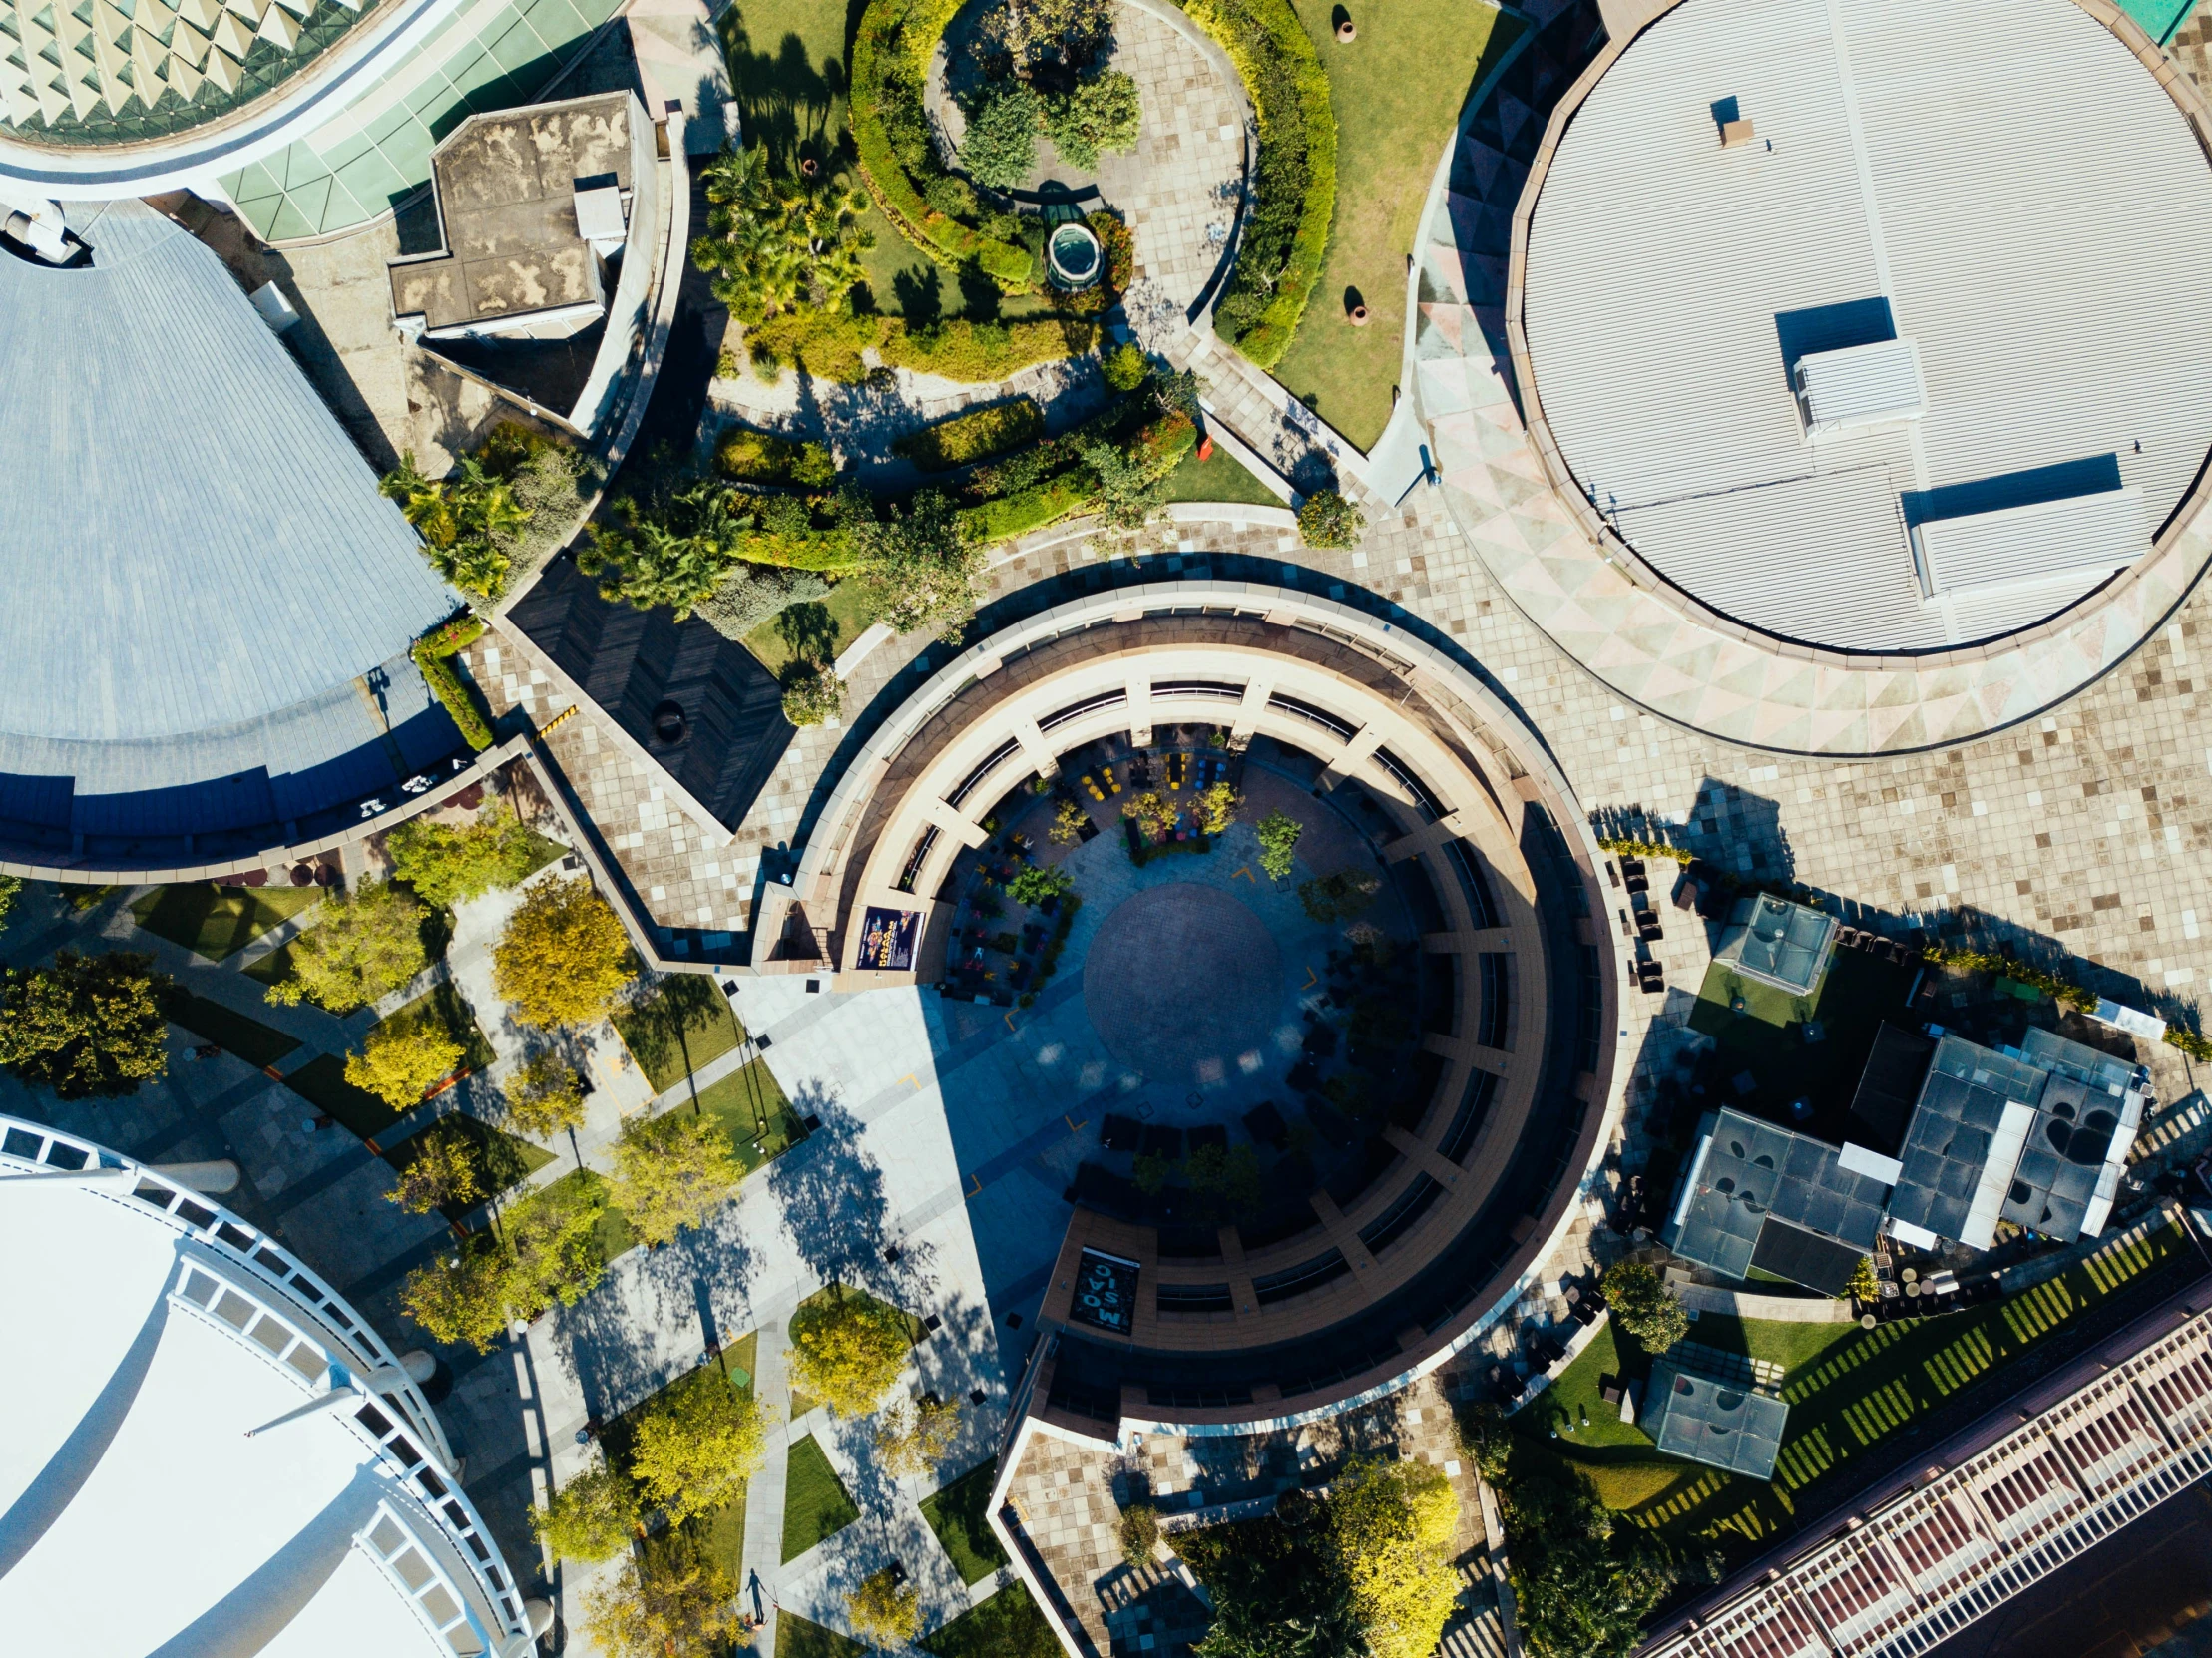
[683, 1025]
[957, 1515]
[816, 1505]
[1006, 1625]
[218, 922]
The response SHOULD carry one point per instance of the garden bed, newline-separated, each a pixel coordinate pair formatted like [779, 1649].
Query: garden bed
[750, 1105]
[956, 1514]
[719, 1534]
[816, 1505]
[504, 1160]
[322, 1083]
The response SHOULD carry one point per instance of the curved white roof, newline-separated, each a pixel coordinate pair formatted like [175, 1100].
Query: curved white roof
[193, 542]
[205, 1450]
[1998, 182]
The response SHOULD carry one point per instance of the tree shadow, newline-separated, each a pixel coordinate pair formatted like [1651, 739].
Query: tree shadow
[920, 294]
[809, 633]
[783, 101]
[979, 294]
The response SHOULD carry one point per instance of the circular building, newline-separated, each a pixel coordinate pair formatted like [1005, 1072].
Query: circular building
[1857, 324]
[210, 602]
[1313, 1129]
[208, 1450]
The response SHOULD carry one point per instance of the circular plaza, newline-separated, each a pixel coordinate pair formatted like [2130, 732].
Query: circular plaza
[1315, 1108]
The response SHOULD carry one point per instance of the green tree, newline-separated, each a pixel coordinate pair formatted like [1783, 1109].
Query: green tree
[1643, 1306]
[1215, 807]
[447, 863]
[849, 1350]
[545, 1097]
[469, 522]
[1052, 35]
[1101, 115]
[884, 1610]
[552, 1238]
[814, 694]
[399, 1064]
[10, 890]
[563, 958]
[1125, 367]
[87, 1026]
[1225, 1182]
[777, 242]
[1391, 1527]
[672, 1171]
[1582, 1587]
[673, 1602]
[1138, 1532]
[697, 1444]
[442, 1172]
[1328, 520]
[1000, 146]
[1128, 488]
[362, 946]
[1035, 884]
[668, 547]
[1333, 898]
[593, 1517]
[1279, 834]
[1486, 1440]
[463, 1297]
[925, 570]
[915, 1435]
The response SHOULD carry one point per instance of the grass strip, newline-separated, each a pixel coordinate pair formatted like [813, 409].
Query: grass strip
[816, 1505]
[233, 1032]
[956, 1514]
[218, 922]
[1008, 1625]
[683, 1025]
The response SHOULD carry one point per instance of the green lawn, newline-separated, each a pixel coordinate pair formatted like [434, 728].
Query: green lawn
[234, 1033]
[1008, 1625]
[679, 1027]
[1397, 91]
[818, 631]
[956, 1514]
[1848, 1389]
[444, 1006]
[815, 1502]
[503, 1159]
[797, 1637]
[719, 1535]
[217, 921]
[751, 1103]
[1218, 478]
[1767, 1038]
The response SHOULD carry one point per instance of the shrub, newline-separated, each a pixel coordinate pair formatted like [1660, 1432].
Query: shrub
[672, 1171]
[1216, 808]
[1488, 1441]
[1390, 1529]
[814, 695]
[1333, 898]
[974, 436]
[1138, 1532]
[1068, 821]
[1000, 146]
[500, 511]
[1644, 1307]
[1101, 115]
[1125, 367]
[447, 863]
[848, 1349]
[11, 887]
[670, 1601]
[925, 566]
[362, 946]
[763, 457]
[889, 66]
[1118, 246]
[753, 594]
[1287, 229]
[563, 958]
[1328, 520]
[1279, 834]
[593, 1517]
[697, 1444]
[87, 1026]
[829, 345]
[400, 1064]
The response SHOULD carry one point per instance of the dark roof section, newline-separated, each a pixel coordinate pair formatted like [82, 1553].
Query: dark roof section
[1883, 1106]
[1805, 1257]
[1955, 1124]
[700, 704]
[1746, 1170]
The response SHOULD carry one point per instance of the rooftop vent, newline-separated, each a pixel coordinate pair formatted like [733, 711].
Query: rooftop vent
[1735, 132]
[1859, 386]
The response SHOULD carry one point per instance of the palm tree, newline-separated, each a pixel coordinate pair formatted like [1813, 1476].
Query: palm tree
[422, 501]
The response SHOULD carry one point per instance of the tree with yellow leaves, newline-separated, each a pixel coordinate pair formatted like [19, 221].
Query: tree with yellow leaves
[401, 1063]
[1390, 1529]
[849, 1349]
[671, 1603]
[697, 1444]
[563, 958]
[442, 1173]
[884, 1610]
[672, 1171]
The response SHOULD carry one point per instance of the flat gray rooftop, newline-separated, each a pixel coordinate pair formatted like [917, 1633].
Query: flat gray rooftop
[2000, 182]
[193, 540]
[505, 190]
[1719, 1424]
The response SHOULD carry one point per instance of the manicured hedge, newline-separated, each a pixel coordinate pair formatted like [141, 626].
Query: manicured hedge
[1161, 446]
[890, 66]
[433, 654]
[974, 436]
[829, 345]
[763, 457]
[1287, 229]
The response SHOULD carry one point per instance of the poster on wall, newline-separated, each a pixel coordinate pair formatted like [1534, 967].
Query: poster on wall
[1105, 1291]
[887, 940]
